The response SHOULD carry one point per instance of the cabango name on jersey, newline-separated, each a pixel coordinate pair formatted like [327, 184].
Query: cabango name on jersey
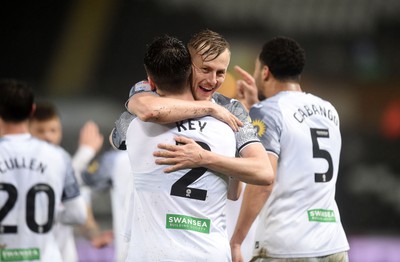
[22, 163]
[190, 124]
[310, 110]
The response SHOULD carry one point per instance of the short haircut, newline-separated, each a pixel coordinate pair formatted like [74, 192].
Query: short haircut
[284, 57]
[208, 44]
[167, 61]
[45, 111]
[16, 100]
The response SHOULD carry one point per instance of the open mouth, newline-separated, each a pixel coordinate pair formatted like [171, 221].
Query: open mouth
[210, 89]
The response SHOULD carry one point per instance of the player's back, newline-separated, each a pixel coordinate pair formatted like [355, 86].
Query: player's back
[178, 216]
[33, 174]
[304, 131]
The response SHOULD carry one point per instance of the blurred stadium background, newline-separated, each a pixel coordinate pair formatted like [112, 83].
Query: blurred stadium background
[86, 54]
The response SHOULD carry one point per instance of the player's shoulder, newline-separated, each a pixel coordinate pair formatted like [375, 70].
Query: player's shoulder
[51, 149]
[225, 101]
[232, 105]
[320, 99]
[278, 100]
[140, 87]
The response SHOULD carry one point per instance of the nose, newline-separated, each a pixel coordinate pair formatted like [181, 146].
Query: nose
[212, 79]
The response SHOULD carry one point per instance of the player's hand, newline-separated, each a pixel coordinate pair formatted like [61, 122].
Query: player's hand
[90, 136]
[247, 91]
[236, 253]
[103, 239]
[223, 114]
[188, 154]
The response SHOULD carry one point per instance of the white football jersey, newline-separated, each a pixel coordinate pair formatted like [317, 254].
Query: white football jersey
[178, 216]
[35, 177]
[300, 218]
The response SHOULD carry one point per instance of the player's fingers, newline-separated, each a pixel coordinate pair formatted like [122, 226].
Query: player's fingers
[239, 89]
[171, 169]
[183, 140]
[232, 124]
[243, 73]
[165, 161]
[163, 153]
[167, 147]
[237, 121]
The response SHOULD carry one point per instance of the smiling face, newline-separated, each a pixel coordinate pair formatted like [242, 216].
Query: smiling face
[208, 73]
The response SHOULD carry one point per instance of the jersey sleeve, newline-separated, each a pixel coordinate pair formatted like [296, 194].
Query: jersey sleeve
[98, 174]
[71, 187]
[118, 134]
[267, 121]
[139, 87]
[246, 134]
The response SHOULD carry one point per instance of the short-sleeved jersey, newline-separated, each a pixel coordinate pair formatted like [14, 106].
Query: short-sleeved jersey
[112, 171]
[245, 136]
[300, 218]
[178, 216]
[35, 177]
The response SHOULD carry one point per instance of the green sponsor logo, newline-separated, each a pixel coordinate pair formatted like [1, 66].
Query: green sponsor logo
[19, 254]
[188, 223]
[321, 215]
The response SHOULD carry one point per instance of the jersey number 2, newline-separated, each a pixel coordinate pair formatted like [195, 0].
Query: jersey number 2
[181, 186]
[320, 153]
[9, 204]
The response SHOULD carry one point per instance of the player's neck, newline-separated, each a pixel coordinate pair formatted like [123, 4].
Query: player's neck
[184, 96]
[290, 86]
[14, 128]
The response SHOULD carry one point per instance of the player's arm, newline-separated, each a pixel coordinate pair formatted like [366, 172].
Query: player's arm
[252, 167]
[254, 198]
[152, 108]
[98, 174]
[90, 143]
[234, 188]
[73, 212]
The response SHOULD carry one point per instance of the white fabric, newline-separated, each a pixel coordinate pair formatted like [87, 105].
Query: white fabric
[122, 187]
[65, 233]
[155, 198]
[26, 162]
[288, 124]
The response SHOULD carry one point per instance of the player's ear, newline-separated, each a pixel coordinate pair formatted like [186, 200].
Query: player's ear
[265, 72]
[152, 84]
[33, 109]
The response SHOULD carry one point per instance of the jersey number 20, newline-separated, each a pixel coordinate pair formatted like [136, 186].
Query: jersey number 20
[9, 204]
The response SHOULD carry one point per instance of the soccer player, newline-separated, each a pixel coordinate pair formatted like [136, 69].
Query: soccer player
[35, 178]
[177, 216]
[210, 57]
[45, 123]
[298, 217]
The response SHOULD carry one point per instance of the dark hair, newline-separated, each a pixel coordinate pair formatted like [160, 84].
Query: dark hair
[44, 111]
[167, 61]
[208, 44]
[284, 57]
[16, 100]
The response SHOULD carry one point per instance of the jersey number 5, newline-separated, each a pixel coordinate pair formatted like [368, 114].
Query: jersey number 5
[181, 186]
[320, 153]
[9, 204]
